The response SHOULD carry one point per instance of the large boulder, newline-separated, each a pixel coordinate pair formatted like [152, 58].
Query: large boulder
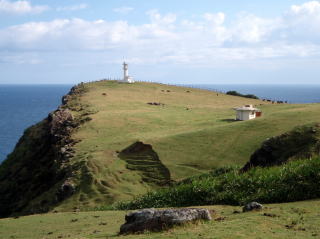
[252, 206]
[156, 220]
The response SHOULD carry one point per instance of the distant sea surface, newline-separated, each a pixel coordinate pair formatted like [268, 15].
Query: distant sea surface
[22, 106]
[291, 93]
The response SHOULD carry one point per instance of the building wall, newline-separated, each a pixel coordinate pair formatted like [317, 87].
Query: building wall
[239, 115]
[245, 115]
[252, 115]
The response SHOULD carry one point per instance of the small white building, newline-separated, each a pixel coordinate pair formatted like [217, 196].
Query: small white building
[126, 77]
[247, 112]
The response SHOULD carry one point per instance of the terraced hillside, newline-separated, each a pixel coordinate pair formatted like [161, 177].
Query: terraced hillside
[189, 131]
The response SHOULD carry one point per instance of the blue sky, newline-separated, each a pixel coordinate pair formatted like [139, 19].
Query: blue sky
[172, 41]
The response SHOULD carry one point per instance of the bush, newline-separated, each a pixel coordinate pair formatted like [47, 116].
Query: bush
[297, 180]
[235, 93]
[300, 143]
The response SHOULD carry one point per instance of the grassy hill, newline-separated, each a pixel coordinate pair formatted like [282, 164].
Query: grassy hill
[190, 132]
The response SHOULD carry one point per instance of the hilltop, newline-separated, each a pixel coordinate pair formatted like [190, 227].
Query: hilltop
[110, 142]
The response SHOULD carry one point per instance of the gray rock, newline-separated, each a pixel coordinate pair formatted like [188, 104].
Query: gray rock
[66, 190]
[252, 206]
[61, 123]
[156, 220]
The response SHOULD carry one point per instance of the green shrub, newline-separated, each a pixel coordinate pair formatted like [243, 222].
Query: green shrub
[300, 143]
[235, 93]
[297, 180]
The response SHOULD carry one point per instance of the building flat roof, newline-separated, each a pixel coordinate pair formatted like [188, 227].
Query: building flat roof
[246, 109]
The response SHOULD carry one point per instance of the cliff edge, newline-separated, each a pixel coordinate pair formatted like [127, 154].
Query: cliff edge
[38, 174]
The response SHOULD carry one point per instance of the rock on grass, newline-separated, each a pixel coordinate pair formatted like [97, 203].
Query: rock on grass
[157, 220]
[252, 206]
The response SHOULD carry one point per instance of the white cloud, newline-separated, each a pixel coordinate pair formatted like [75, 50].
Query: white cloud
[157, 18]
[123, 10]
[20, 7]
[209, 41]
[216, 19]
[62, 34]
[251, 29]
[20, 58]
[302, 22]
[73, 7]
[308, 8]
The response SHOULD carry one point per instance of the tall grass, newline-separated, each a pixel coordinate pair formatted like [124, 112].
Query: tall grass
[297, 180]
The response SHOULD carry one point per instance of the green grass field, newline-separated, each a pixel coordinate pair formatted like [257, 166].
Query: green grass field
[284, 221]
[193, 132]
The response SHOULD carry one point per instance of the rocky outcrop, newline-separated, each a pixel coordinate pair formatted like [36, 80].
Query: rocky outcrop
[301, 142]
[66, 190]
[75, 91]
[157, 220]
[61, 123]
[252, 206]
[37, 175]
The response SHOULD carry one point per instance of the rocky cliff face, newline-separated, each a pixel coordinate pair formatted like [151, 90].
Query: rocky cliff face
[38, 174]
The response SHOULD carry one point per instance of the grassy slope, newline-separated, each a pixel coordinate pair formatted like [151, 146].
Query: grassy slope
[188, 142]
[293, 181]
[290, 220]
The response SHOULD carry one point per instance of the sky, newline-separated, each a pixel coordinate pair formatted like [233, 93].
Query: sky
[169, 41]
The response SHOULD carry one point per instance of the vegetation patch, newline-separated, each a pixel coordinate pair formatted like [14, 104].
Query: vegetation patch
[301, 142]
[297, 180]
[235, 93]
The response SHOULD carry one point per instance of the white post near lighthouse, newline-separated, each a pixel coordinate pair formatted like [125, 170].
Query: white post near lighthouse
[126, 77]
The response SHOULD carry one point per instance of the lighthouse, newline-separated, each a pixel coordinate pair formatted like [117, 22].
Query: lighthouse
[126, 77]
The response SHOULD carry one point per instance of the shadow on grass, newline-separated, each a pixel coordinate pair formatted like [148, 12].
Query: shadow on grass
[141, 157]
[229, 120]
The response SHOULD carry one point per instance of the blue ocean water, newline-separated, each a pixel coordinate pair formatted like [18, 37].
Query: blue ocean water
[22, 106]
[290, 93]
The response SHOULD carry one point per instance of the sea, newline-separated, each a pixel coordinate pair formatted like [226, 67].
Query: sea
[24, 105]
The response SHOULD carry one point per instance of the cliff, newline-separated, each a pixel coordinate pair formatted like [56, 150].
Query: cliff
[38, 174]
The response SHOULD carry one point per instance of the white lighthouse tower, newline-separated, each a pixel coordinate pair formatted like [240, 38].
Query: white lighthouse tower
[126, 77]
